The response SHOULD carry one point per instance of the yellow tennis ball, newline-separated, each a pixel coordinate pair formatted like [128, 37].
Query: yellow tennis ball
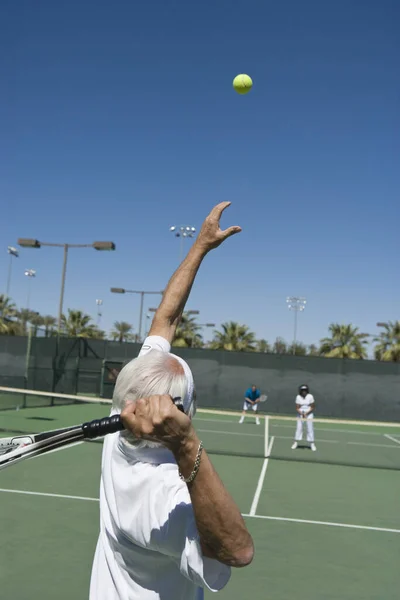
[242, 84]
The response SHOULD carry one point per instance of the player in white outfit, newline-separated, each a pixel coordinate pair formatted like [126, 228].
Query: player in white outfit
[305, 405]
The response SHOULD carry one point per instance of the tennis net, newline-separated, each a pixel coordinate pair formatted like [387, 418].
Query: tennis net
[349, 443]
[30, 411]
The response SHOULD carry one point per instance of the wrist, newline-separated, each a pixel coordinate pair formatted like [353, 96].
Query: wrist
[186, 445]
[200, 249]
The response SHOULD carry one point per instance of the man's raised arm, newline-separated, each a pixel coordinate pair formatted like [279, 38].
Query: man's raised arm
[178, 289]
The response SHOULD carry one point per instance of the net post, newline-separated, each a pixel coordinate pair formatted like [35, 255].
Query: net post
[266, 435]
[28, 359]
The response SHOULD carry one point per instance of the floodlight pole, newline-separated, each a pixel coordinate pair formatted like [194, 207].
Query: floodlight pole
[142, 295]
[32, 243]
[182, 231]
[297, 304]
[99, 303]
[29, 273]
[12, 252]
[63, 277]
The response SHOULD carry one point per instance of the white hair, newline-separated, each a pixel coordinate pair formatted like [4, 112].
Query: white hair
[152, 374]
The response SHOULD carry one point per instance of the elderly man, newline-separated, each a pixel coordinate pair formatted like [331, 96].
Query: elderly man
[168, 527]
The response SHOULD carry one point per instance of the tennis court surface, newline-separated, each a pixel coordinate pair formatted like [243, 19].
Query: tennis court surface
[326, 524]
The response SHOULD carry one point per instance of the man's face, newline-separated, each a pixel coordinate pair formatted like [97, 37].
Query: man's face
[253, 387]
[303, 393]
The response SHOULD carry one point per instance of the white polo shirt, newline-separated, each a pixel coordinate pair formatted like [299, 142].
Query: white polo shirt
[148, 547]
[305, 403]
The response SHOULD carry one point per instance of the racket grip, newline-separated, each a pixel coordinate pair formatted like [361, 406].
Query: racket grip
[101, 427]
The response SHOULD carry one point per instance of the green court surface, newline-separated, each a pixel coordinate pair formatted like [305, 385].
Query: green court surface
[326, 525]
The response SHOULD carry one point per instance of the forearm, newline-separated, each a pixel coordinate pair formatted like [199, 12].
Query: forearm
[176, 294]
[223, 533]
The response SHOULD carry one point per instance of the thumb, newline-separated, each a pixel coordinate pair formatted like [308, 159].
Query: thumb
[231, 231]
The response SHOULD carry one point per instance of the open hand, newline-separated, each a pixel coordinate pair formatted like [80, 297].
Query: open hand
[211, 235]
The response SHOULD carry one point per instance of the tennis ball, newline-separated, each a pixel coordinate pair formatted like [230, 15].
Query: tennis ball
[242, 84]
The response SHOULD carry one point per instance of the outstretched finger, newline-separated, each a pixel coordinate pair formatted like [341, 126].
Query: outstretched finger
[219, 209]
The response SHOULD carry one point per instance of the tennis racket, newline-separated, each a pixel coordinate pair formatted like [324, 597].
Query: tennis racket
[263, 398]
[15, 449]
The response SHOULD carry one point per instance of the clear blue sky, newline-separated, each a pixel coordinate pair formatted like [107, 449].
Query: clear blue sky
[118, 119]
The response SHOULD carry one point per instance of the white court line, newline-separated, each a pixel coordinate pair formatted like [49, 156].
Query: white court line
[48, 494]
[230, 432]
[328, 523]
[260, 483]
[305, 521]
[286, 437]
[389, 437]
[370, 445]
[215, 420]
[375, 445]
[318, 420]
[332, 429]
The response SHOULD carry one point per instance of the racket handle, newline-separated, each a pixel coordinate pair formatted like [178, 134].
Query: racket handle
[101, 427]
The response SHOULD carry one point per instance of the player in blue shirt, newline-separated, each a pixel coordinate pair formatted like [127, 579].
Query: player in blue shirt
[251, 400]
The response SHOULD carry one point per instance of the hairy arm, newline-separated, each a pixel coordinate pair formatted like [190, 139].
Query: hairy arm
[176, 294]
[179, 286]
[223, 533]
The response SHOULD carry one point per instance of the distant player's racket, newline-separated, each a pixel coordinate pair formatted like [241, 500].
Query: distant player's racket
[18, 448]
[263, 398]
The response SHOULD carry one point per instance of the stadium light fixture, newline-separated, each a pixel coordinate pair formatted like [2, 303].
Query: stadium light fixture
[183, 232]
[28, 243]
[33, 243]
[296, 304]
[107, 246]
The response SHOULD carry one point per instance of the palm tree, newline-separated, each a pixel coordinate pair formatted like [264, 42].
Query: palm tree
[122, 332]
[298, 349]
[345, 342]
[7, 307]
[263, 346]
[48, 323]
[187, 335]
[280, 346]
[8, 311]
[234, 337]
[37, 322]
[26, 316]
[77, 324]
[9, 327]
[388, 342]
[313, 350]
